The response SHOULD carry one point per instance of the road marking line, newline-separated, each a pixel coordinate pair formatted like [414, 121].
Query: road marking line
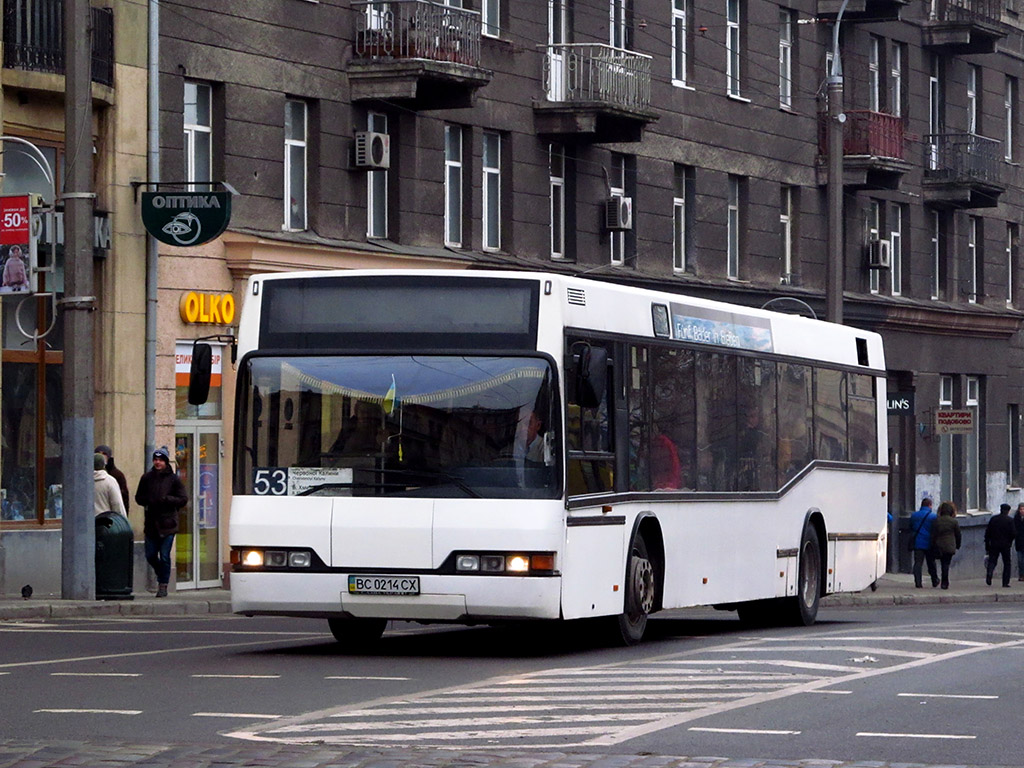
[837, 693]
[102, 656]
[415, 711]
[91, 711]
[917, 735]
[541, 687]
[357, 677]
[418, 723]
[771, 663]
[828, 648]
[246, 715]
[947, 696]
[242, 677]
[374, 736]
[746, 730]
[91, 674]
[470, 697]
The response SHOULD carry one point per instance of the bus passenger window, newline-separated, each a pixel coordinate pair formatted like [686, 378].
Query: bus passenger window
[673, 426]
[863, 422]
[830, 415]
[794, 420]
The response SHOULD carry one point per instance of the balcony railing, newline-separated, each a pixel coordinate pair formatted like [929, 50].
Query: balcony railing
[963, 158]
[417, 29]
[34, 38]
[873, 133]
[590, 72]
[976, 11]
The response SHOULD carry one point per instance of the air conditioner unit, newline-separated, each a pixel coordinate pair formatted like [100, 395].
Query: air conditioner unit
[373, 150]
[878, 254]
[618, 213]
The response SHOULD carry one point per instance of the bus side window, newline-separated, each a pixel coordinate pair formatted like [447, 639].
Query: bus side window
[591, 464]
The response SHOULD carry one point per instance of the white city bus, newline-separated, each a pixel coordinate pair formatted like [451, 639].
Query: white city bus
[478, 447]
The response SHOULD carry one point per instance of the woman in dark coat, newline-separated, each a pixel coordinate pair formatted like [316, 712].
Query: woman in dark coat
[946, 537]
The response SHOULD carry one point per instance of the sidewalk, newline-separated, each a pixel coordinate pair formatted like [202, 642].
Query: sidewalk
[892, 589]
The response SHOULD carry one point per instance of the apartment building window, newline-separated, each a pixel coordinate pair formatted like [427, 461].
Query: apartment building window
[896, 80]
[491, 191]
[733, 41]
[453, 185]
[935, 96]
[295, 140]
[874, 73]
[1013, 476]
[787, 23]
[1010, 109]
[198, 134]
[935, 221]
[490, 17]
[972, 496]
[556, 195]
[786, 225]
[1012, 245]
[896, 249]
[874, 233]
[734, 226]
[946, 441]
[974, 259]
[682, 211]
[680, 41]
[973, 97]
[377, 185]
[617, 188]
[617, 32]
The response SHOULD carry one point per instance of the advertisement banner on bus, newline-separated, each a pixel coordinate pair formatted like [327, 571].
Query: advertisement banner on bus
[702, 325]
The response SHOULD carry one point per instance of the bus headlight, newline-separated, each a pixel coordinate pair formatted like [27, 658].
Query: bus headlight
[275, 558]
[279, 559]
[253, 558]
[511, 564]
[517, 564]
[300, 559]
[467, 563]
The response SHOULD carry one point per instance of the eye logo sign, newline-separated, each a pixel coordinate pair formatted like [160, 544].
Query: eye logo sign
[186, 218]
[184, 228]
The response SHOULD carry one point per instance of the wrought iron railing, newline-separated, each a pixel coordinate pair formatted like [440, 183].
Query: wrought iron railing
[592, 72]
[34, 38]
[963, 157]
[417, 29]
[984, 11]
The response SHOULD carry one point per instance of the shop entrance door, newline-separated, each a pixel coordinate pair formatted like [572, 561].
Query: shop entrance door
[197, 455]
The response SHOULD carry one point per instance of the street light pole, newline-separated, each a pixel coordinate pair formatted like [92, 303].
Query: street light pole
[835, 262]
[78, 573]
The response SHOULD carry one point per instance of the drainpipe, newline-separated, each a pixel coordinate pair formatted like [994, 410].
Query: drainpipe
[153, 176]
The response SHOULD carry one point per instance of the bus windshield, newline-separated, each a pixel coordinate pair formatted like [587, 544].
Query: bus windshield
[399, 425]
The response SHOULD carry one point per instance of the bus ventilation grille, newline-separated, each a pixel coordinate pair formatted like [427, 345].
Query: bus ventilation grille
[577, 296]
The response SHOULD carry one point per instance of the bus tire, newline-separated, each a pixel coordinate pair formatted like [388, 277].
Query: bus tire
[357, 634]
[803, 608]
[641, 585]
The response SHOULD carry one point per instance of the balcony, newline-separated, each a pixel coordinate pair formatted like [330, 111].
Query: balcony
[873, 149]
[34, 38]
[856, 10]
[594, 92]
[962, 170]
[420, 54]
[965, 26]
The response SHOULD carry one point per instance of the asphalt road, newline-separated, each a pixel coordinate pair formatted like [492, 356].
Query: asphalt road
[921, 684]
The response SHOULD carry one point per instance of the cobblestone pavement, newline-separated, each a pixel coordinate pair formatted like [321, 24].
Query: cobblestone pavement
[61, 754]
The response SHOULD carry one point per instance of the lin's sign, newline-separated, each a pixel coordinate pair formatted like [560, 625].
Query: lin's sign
[186, 218]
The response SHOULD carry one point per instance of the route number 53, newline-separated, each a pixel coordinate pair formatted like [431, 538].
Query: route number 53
[270, 481]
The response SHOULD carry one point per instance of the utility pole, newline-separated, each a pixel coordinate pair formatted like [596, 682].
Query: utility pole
[835, 261]
[78, 570]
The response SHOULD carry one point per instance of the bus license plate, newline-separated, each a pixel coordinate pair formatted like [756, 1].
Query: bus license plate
[384, 585]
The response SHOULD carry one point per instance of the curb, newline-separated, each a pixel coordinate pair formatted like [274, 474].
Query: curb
[65, 609]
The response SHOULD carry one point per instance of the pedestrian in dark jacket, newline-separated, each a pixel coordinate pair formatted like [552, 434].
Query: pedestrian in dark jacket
[999, 535]
[115, 473]
[921, 531]
[1018, 527]
[946, 538]
[162, 494]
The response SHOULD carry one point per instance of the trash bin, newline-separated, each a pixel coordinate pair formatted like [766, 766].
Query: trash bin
[115, 544]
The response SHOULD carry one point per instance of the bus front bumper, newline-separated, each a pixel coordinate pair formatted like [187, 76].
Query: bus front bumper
[442, 598]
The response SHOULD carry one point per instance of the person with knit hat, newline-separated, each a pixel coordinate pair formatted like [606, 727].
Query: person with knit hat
[106, 494]
[162, 494]
[115, 473]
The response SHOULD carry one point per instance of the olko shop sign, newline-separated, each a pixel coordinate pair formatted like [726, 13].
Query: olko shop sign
[212, 308]
[186, 218]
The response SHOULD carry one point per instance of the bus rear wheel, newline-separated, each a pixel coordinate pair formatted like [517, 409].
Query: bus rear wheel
[803, 608]
[631, 624]
[357, 634]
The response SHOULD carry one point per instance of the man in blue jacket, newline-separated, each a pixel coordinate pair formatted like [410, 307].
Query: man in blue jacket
[921, 533]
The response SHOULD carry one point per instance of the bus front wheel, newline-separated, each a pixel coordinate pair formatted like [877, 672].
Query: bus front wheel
[803, 608]
[639, 597]
[357, 634]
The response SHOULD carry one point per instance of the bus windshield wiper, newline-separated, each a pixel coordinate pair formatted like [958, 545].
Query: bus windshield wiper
[327, 486]
[435, 475]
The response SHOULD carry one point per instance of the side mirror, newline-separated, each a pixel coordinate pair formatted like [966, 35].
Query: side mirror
[199, 373]
[590, 375]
